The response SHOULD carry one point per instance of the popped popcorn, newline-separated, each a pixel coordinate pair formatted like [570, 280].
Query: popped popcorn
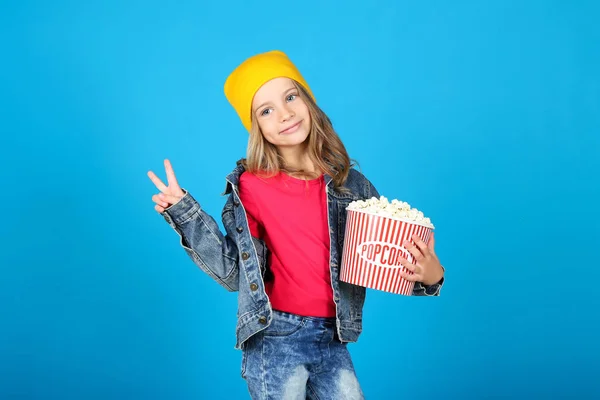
[394, 209]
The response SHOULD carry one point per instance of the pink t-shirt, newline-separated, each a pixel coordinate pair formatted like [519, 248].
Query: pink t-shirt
[290, 215]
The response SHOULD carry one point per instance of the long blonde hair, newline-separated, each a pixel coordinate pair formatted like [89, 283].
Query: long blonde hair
[325, 148]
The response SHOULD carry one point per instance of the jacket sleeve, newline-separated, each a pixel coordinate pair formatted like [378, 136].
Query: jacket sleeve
[202, 240]
[419, 289]
[428, 290]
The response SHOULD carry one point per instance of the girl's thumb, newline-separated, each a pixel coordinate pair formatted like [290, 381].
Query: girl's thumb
[431, 241]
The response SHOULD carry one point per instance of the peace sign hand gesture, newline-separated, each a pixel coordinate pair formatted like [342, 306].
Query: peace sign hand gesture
[169, 194]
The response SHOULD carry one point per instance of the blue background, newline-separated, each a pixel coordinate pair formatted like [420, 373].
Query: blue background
[485, 115]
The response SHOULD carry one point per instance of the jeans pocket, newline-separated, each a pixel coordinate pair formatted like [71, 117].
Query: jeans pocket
[283, 326]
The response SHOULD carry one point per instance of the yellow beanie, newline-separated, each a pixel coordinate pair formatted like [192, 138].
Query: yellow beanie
[249, 76]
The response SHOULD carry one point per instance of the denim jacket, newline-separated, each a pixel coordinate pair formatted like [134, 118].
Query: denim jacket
[238, 261]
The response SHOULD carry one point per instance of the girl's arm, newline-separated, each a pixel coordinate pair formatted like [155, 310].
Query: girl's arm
[201, 238]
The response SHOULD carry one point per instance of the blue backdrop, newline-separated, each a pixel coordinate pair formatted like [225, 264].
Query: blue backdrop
[485, 115]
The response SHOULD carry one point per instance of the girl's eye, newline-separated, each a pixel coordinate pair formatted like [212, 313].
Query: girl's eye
[291, 97]
[266, 111]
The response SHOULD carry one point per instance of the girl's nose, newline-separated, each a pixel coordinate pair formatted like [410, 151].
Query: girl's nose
[287, 114]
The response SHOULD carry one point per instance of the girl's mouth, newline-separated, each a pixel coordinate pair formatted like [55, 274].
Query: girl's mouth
[291, 129]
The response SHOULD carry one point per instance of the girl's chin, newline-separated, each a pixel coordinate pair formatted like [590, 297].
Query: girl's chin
[294, 139]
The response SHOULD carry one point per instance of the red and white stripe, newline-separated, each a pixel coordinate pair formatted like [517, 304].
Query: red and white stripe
[362, 227]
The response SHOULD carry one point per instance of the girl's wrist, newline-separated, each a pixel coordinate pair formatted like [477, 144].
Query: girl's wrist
[439, 277]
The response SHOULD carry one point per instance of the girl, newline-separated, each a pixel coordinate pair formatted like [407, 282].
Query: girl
[285, 219]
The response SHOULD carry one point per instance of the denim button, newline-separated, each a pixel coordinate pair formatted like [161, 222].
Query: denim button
[253, 287]
[262, 320]
[245, 256]
[239, 229]
[236, 203]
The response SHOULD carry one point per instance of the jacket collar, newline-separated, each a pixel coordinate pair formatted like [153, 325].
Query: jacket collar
[233, 178]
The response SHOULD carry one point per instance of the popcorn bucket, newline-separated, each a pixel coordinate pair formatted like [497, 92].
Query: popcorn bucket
[373, 249]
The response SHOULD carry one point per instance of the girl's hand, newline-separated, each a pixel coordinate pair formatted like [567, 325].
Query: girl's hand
[169, 194]
[427, 269]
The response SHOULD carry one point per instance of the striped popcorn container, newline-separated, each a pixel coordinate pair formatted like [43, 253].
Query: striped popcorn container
[373, 249]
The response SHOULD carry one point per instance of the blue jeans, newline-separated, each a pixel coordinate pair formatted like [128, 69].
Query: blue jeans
[299, 357]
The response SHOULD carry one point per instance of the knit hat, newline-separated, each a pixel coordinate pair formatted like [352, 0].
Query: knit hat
[250, 75]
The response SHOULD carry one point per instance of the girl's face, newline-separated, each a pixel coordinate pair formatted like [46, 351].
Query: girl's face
[281, 113]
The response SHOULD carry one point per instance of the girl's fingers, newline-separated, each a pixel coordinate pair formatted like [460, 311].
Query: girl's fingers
[171, 175]
[431, 243]
[405, 263]
[159, 201]
[169, 198]
[410, 277]
[414, 250]
[415, 269]
[165, 199]
[421, 245]
[157, 182]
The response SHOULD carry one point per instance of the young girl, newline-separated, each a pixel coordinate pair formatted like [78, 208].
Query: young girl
[285, 219]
